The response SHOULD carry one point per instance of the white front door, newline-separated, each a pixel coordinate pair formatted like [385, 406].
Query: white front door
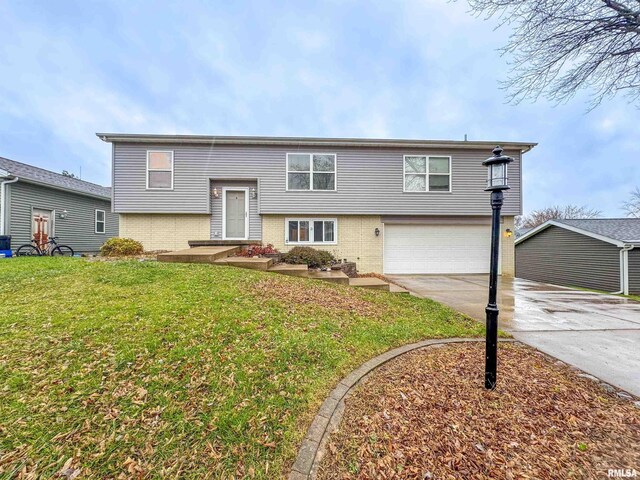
[437, 249]
[235, 215]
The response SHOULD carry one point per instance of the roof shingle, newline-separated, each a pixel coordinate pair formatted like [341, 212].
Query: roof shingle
[625, 230]
[40, 175]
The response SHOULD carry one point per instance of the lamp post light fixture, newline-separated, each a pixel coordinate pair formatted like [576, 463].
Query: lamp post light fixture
[497, 182]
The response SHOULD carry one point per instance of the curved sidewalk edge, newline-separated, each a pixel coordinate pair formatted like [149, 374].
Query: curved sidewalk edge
[330, 413]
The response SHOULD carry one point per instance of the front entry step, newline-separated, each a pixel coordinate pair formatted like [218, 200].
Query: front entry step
[198, 254]
[373, 283]
[334, 276]
[293, 270]
[246, 262]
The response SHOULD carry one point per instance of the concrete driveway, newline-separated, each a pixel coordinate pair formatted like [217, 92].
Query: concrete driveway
[597, 333]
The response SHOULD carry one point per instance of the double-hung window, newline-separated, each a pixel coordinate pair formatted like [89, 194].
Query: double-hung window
[311, 230]
[100, 221]
[427, 174]
[311, 171]
[159, 170]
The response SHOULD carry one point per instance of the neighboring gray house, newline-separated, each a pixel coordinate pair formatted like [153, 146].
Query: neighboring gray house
[392, 206]
[601, 254]
[32, 198]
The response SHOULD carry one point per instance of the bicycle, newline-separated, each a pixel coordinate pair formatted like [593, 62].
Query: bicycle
[51, 248]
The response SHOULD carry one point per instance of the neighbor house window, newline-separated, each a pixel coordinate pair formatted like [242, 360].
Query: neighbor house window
[427, 174]
[311, 171]
[160, 170]
[101, 221]
[311, 230]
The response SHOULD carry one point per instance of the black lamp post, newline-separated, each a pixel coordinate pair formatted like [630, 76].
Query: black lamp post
[497, 182]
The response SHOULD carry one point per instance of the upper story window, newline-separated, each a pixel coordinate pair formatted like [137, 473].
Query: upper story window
[160, 170]
[100, 221]
[311, 171]
[427, 174]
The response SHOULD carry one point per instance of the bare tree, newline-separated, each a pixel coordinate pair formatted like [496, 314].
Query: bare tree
[538, 217]
[561, 46]
[632, 206]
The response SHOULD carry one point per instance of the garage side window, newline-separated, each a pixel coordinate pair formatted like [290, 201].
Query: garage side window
[159, 170]
[427, 174]
[100, 221]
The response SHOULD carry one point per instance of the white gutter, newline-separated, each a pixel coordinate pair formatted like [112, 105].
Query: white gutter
[3, 201]
[310, 141]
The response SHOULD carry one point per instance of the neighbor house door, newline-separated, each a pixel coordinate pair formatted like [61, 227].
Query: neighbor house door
[236, 215]
[42, 225]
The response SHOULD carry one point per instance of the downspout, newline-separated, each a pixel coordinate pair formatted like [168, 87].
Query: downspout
[3, 201]
[624, 270]
[626, 249]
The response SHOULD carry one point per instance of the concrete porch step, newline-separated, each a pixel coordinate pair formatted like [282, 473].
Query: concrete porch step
[198, 254]
[393, 288]
[287, 269]
[373, 283]
[246, 262]
[334, 276]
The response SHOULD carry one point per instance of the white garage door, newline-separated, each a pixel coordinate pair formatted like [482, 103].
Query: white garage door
[437, 248]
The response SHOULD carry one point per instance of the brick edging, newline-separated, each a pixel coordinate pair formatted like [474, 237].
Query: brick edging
[330, 413]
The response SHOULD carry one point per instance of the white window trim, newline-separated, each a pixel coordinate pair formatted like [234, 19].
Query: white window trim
[404, 174]
[311, 189]
[104, 222]
[246, 212]
[159, 170]
[311, 220]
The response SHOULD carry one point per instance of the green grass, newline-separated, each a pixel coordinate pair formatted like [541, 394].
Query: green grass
[144, 369]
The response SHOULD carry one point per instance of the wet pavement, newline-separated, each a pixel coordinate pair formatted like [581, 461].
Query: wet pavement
[595, 332]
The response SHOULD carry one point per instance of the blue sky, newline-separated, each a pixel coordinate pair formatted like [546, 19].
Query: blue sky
[411, 69]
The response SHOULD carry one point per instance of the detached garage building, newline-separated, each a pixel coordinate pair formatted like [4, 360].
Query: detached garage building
[601, 254]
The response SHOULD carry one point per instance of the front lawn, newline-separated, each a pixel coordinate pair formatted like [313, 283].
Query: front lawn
[143, 369]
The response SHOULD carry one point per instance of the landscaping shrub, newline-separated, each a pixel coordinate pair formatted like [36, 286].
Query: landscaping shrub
[255, 250]
[121, 247]
[308, 256]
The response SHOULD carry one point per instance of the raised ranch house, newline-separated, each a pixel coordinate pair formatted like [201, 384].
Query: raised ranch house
[600, 253]
[392, 206]
[34, 200]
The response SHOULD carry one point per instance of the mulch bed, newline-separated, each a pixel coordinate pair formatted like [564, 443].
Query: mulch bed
[426, 415]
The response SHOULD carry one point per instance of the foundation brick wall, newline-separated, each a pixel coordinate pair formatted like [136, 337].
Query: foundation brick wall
[357, 241]
[164, 231]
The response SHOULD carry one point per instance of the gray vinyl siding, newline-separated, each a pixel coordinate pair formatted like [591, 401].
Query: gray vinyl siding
[562, 257]
[634, 271]
[77, 230]
[255, 222]
[369, 181]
